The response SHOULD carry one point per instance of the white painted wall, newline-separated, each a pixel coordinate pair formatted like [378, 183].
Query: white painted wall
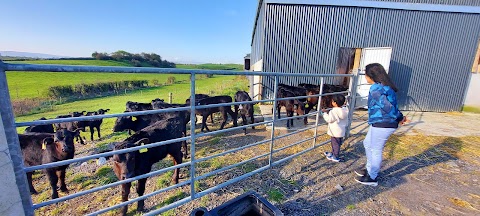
[473, 92]
[257, 80]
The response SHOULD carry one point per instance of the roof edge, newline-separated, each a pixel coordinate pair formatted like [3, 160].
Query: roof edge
[384, 5]
[260, 2]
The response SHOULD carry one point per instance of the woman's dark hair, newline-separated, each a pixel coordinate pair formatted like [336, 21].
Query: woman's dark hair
[339, 99]
[378, 74]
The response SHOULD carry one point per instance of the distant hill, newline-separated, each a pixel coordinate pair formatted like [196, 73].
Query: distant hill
[30, 55]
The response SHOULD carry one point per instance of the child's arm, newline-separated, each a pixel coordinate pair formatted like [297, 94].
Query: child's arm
[329, 117]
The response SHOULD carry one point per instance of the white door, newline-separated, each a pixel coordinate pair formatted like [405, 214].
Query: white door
[381, 55]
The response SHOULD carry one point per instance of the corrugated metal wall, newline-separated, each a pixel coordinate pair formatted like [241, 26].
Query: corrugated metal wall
[447, 2]
[258, 36]
[432, 51]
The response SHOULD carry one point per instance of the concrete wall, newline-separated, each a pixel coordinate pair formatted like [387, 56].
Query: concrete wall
[473, 92]
[10, 201]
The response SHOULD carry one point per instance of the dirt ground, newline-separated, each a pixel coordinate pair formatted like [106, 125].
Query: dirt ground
[431, 167]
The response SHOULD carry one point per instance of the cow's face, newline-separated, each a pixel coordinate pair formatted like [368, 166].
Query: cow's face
[124, 164]
[63, 140]
[123, 123]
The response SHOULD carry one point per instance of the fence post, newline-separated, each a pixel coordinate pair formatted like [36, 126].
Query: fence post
[170, 96]
[274, 119]
[353, 97]
[322, 80]
[192, 134]
[14, 181]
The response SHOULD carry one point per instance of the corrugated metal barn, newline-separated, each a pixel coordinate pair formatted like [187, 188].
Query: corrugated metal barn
[433, 44]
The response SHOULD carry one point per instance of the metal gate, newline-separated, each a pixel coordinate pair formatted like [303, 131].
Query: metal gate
[14, 148]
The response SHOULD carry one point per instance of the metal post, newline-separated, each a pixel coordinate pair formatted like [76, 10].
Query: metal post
[322, 80]
[274, 119]
[170, 96]
[353, 95]
[192, 134]
[8, 133]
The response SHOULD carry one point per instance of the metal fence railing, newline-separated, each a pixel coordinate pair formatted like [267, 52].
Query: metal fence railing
[13, 142]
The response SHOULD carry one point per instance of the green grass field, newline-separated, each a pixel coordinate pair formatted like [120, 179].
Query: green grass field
[24, 85]
[221, 84]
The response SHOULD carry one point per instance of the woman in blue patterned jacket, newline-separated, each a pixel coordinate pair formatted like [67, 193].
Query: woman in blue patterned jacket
[383, 118]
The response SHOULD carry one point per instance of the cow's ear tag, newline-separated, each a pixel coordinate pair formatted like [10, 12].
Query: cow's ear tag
[306, 105]
[144, 149]
[44, 146]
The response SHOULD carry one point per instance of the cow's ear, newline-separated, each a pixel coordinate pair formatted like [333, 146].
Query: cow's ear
[144, 141]
[47, 141]
[107, 110]
[83, 112]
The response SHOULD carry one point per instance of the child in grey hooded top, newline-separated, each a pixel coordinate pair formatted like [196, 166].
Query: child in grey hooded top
[337, 120]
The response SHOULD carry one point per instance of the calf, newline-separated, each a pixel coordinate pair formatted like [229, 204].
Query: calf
[48, 128]
[160, 104]
[135, 106]
[42, 148]
[205, 112]
[297, 91]
[245, 109]
[140, 162]
[199, 97]
[290, 105]
[72, 126]
[92, 124]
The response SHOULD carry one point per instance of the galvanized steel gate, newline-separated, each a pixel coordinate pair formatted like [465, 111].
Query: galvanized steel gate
[14, 147]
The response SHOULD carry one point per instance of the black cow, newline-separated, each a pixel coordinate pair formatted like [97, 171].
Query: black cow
[160, 104]
[297, 91]
[92, 124]
[135, 106]
[48, 128]
[290, 105]
[136, 163]
[143, 121]
[42, 148]
[72, 126]
[245, 109]
[205, 112]
[199, 97]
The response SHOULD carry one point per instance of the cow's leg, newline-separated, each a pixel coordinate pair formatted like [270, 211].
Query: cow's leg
[140, 191]
[204, 123]
[233, 115]
[98, 131]
[125, 193]
[279, 107]
[252, 118]
[53, 179]
[307, 110]
[244, 119]
[177, 159]
[225, 117]
[30, 184]
[92, 131]
[61, 176]
[211, 118]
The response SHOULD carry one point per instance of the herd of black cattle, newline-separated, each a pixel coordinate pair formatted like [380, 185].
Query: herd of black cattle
[42, 144]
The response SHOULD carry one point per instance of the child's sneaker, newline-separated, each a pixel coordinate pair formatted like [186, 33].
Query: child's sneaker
[327, 154]
[333, 158]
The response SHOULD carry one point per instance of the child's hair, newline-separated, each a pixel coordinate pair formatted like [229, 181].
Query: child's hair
[378, 74]
[339, 99]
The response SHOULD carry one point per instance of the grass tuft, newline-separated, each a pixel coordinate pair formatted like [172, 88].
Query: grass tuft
[275, 195]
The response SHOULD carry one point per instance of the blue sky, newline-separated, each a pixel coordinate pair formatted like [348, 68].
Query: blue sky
[216, 31]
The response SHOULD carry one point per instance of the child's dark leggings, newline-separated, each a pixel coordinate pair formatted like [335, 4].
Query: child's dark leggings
[336, 143]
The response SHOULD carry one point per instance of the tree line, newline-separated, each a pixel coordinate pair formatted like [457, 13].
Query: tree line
[137, 59]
